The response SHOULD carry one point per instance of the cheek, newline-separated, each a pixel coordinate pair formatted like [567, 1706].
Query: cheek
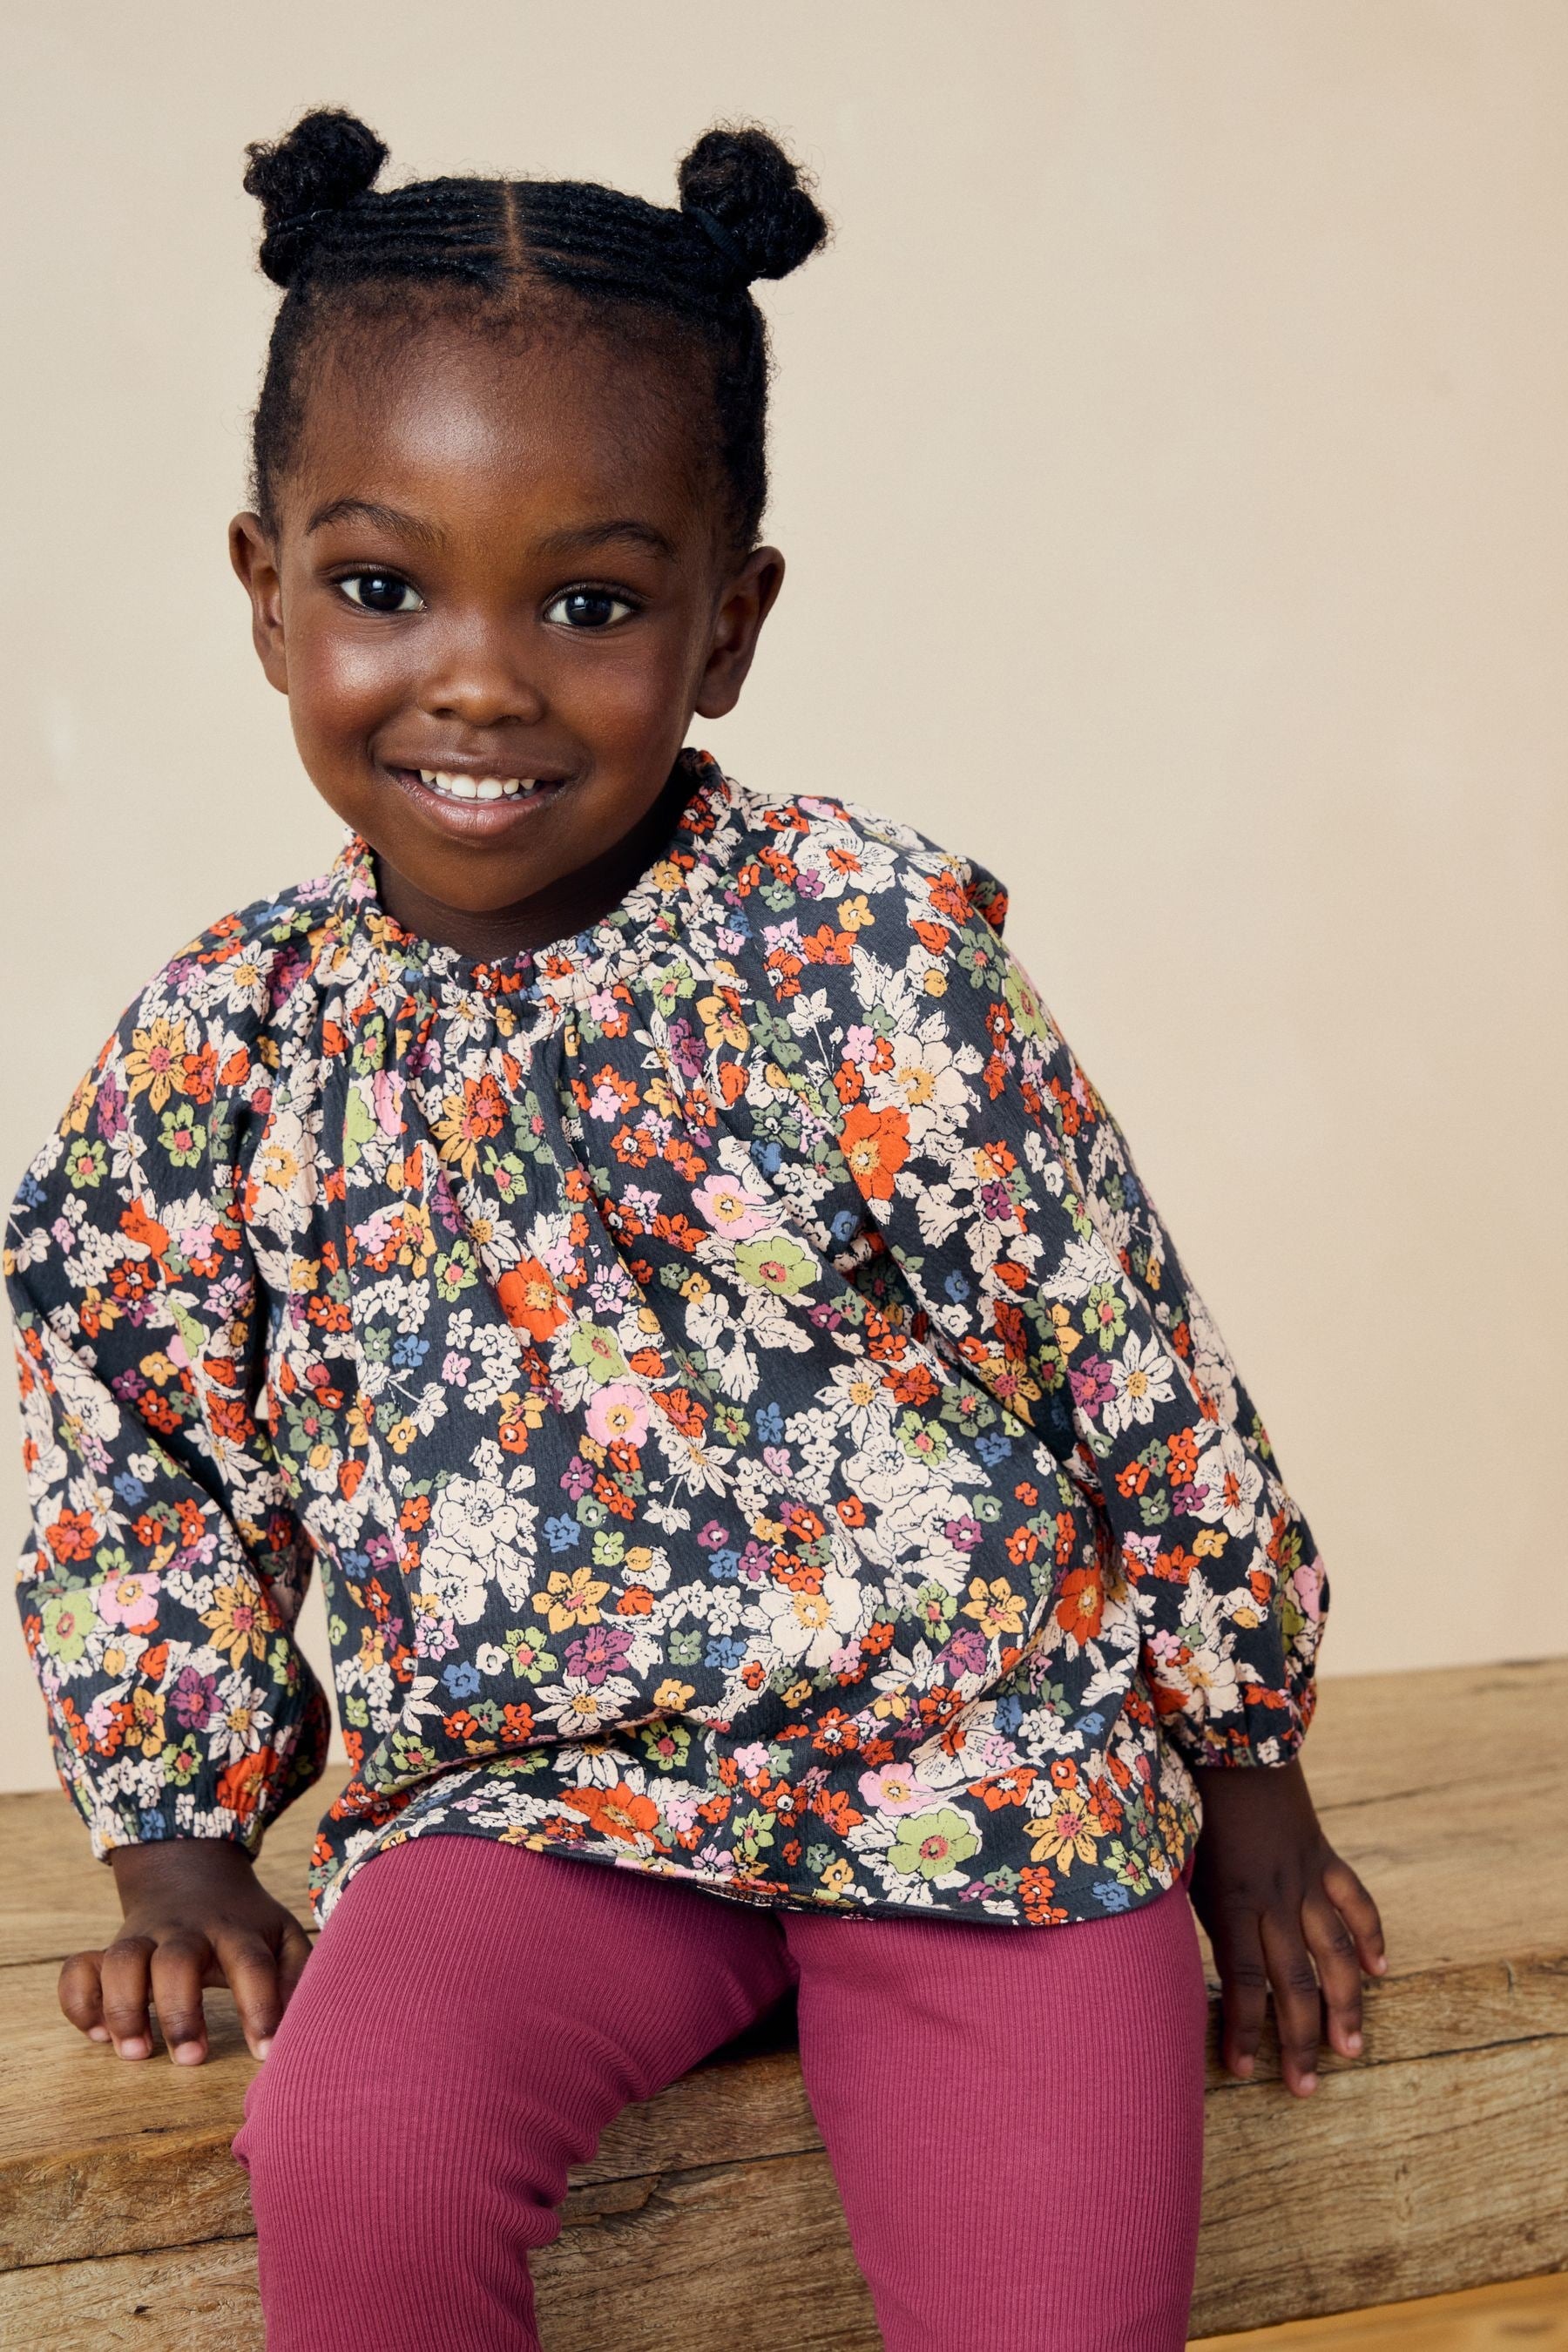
[619, 696]
[343, 682]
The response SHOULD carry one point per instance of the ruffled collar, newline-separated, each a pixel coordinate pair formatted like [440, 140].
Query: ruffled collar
[699, 854]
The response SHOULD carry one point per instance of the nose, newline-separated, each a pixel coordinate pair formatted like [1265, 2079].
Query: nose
[476, 679]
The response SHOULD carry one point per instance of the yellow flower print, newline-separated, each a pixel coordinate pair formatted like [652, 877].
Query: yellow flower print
[524, 1405]
[468, 1121]
[147, 1730]
[572, 1597]
[672, 1696]
[892, 1705]
[419, 1238]
[1067, 1334]
[722, 1022]
[995, 1607]
[1209, 1542]
[84, 1094]
[401, 1434]
[155, 1064]
[237, 1624]
[855, 914]
[1066, 1830]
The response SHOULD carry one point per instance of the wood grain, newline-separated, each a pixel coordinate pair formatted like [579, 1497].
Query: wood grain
[196, 2299]
[1527, 2315]
[1410, 2178]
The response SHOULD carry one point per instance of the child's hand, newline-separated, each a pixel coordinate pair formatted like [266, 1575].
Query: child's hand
[1281, 1909]
[195, 1914]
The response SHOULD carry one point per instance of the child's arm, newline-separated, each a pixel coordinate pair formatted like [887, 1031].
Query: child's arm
[1007, 1192]
[166, 1567]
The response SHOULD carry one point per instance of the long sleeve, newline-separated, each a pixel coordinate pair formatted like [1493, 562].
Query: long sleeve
[1007, 1197]
[165, 1568]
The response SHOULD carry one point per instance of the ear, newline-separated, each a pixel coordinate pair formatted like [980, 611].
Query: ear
[745, 605]
[251, 554]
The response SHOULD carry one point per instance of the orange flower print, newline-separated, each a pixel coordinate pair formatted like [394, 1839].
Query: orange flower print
[1080, 1604]
[876, 1143]
[530, 1299]
[619, 1813]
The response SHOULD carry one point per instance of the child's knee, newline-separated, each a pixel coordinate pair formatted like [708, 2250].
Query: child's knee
[445, 2136]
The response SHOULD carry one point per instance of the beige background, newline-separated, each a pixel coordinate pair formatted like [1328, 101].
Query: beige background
[1170, 457]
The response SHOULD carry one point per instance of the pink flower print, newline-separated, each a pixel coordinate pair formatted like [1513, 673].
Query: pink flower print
[618, 1415]
[731, 1207]
[386, 1095]
[893, 1789]
[131, 1602]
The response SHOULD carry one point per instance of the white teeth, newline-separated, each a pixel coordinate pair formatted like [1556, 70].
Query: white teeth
[476, 788]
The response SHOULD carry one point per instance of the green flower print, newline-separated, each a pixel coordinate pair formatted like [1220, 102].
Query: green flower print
[929, 1845]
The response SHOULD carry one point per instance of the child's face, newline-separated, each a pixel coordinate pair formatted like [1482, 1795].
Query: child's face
[498, 562]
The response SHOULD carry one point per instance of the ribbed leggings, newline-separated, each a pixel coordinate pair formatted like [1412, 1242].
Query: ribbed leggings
[1014, 2115]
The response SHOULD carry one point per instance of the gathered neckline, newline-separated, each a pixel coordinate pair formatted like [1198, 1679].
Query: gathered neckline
[694, 855]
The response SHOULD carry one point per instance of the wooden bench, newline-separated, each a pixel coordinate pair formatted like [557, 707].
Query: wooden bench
[1439, 2162]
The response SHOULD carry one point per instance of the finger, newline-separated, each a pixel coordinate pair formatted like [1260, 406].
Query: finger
[1244, 1988]
[178, 1966]
[251, 1968]
[123, 1974]
[81, 1994]
[1360, 1914]
[1333, 1951]
[294, 1950]
[1298, 2004]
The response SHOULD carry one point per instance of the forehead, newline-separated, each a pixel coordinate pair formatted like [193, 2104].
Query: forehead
[532, 412]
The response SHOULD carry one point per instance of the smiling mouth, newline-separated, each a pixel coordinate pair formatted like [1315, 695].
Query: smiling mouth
[480, 788]
[455, 790]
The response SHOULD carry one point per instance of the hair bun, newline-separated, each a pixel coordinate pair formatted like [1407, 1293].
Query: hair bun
[741, 177]
[329, 158]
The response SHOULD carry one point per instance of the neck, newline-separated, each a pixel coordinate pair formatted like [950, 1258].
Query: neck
[569, 904]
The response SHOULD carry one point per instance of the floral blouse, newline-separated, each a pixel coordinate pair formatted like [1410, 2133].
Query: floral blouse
[748, 1417]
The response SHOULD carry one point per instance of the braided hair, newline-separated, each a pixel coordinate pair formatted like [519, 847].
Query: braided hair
[344, 252]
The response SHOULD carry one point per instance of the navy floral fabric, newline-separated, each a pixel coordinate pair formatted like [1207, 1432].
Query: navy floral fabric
[745, 1412]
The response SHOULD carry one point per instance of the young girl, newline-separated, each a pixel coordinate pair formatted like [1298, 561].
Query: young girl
[648, 1247]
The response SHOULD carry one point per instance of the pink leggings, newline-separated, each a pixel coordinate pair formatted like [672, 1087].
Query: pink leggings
[1014, 2115]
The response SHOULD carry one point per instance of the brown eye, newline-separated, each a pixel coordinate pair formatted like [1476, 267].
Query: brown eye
[588, 608]
[380, 591]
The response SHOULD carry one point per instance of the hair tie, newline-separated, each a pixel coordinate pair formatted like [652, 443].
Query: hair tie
[728, 245]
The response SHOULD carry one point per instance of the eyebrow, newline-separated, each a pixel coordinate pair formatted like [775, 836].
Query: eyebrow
[559, 542]
[405, 526]
[597, 534]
